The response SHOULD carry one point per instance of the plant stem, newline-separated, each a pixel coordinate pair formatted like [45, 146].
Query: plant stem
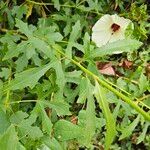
[14, 32]
[144, 104]
[108, 86]
[23, 101]
[64, 5]
[144, 97]
[6, 103]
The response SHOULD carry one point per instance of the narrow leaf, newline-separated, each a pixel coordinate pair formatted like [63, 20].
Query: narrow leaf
[83, 90]
[4, 122]
[41, 45]
[60, 79]
[126, 45]
[14, 50]
[56, 4]
[9, 140]
[90, 120]
[29, 77]
[110, 122]
[143, 134]
[73, 37]
[52, 143]
[128, 130]
[23, 27]
[46, 122]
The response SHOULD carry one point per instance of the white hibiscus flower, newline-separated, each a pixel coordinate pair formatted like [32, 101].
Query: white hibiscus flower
[109, 28]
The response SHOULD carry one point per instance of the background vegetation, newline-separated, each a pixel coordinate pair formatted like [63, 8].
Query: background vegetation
[55, 92]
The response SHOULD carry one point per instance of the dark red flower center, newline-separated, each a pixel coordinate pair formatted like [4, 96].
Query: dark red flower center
[115, 27]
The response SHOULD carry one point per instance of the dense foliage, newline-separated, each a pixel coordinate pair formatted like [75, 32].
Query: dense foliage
[55, 92]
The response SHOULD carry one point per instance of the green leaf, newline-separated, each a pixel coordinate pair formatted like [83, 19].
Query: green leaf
[23, 27]
[67, 28]
[110, 122]
[1, 92]
[126, 45]
[73, 37]
[41, 45]
[99, 122]
[19, 11]
[60, 79]
[90, 125]
[84, 90]
[73, 76]
[143, 134]
[61, 107]
[28, 77]
[129, 129]
[20, 147]
[26, 128]
[14, 50]
[10, 18]
[53, 37]
[143, 83]
[65, 130]
[122, 84]
[30, 51]
[36, 60]
[9, 140]
[52, 143]
[86, 44]
[21, 63]
[46, 122]
[9, 38]
[4, 121]
[17, 117]
[56, 4]
[33, 132]
[5, 73]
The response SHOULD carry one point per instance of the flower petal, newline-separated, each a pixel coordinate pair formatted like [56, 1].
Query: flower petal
[121, 21]
[101, 38]
[104, 23]
[103, 31]
[117, 36]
